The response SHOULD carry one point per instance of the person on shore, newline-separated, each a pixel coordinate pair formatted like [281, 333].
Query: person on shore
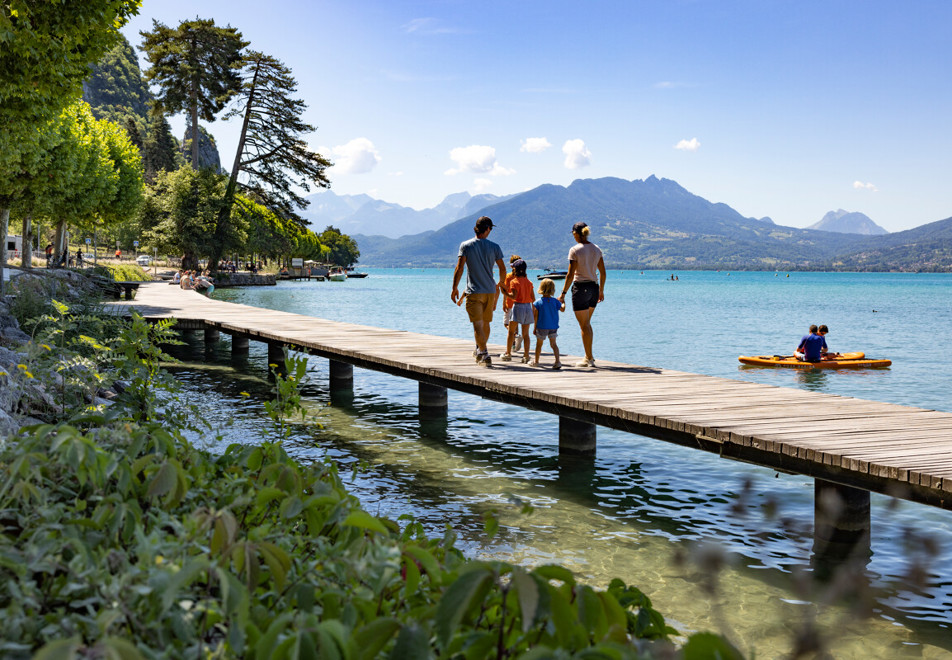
[519, 292]
[79, 257]
[545, 312]
[49, 254]
[811, 346]
[477, 256]
[118, 254]
[177, 277]
[585, 258]
[507, 303]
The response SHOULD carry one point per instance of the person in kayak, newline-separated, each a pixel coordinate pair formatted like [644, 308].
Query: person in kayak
[811, 347]
[823, 332]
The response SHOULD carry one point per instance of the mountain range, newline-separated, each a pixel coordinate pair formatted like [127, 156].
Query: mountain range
[362, 214]
[656, 223]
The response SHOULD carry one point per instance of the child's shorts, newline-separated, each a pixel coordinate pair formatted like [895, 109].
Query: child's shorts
[522, 314]
[542, 333]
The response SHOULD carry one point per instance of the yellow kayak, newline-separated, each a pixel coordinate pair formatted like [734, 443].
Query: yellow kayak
[842, 361]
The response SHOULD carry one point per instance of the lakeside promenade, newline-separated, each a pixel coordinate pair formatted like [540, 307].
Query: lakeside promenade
[849, 446]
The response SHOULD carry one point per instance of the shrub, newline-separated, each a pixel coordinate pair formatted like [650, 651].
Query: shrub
[122, 272]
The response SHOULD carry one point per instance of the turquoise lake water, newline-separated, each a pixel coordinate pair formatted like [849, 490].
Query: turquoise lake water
[642, 502]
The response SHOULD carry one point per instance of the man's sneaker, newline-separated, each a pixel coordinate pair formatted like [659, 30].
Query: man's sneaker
[583, 363]
[484, 360]
[505, 357]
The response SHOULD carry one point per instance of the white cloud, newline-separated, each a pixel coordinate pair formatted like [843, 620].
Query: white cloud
[688, 145]
[358, 156]
[859, 185]
[482, 185]
[577, 154]
[478, 159]
[535, 145]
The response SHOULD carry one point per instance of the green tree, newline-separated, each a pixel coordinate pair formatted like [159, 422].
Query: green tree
[159, 153]
[179, 212]
[45, 51]
[343, 249]
[196, 68]
[271, 153]
[92, 175]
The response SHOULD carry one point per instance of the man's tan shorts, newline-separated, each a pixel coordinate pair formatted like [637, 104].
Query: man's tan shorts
[480, 306]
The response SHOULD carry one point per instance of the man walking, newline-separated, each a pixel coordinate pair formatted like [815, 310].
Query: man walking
[478, 255]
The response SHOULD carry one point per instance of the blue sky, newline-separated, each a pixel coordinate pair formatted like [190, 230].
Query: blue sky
[776, 108]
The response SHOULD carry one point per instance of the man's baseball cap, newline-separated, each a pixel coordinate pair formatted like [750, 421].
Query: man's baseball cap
[483, 224]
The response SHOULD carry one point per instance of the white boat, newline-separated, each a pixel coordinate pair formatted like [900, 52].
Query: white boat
[337, 275]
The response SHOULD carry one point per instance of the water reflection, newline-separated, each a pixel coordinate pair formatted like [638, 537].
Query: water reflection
[815, 380]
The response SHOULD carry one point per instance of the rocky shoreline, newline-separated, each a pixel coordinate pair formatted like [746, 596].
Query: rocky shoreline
[25, 398]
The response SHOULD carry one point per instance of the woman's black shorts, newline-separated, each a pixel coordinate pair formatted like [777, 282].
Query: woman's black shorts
[584, 296]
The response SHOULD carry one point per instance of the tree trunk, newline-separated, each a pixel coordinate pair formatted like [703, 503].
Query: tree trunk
[4, 224]
[224, 214]
[26, 260]
[59, 244]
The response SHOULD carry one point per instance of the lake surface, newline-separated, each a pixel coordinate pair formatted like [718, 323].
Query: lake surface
[644, 510]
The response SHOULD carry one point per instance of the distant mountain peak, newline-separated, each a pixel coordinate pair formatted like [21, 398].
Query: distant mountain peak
[848, 222]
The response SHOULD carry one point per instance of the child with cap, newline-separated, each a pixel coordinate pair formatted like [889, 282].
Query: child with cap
[507, 304]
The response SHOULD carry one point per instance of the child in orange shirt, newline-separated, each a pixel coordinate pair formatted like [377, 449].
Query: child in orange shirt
[520, 292]
[506, 303]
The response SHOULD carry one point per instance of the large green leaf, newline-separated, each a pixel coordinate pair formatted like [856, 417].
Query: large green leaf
[413, 643]
[527, 592]
[363, 520]
[460, 597]
[372, 637]
[708, 646]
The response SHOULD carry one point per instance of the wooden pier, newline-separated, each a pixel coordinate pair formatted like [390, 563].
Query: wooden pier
[850, 446]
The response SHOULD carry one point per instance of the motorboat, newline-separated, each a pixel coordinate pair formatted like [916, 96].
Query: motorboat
[551, 274]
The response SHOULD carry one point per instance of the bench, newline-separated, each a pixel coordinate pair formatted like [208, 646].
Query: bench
[117, 289]
[128, 289]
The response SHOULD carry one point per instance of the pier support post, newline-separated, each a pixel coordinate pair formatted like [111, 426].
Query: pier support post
[239, 345]
[841, 528]
[576, 437]
[433, 401]
[212, 335]
[342, 376]
[276, 354]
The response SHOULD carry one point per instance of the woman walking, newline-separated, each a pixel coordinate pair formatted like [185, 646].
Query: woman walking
[585, 258]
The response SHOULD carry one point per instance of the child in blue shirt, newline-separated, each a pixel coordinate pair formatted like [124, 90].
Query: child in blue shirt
[545, 311]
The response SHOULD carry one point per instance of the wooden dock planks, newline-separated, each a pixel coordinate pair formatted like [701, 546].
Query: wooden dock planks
[867, 444]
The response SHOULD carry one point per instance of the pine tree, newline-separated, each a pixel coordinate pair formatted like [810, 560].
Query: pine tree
[196, 68]
[271, 152]
[159, 150]
[133, 131]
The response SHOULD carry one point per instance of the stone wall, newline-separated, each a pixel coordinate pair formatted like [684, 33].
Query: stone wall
[226, 280]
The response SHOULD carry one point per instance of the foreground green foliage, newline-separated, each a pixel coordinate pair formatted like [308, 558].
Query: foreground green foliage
[119, 538]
